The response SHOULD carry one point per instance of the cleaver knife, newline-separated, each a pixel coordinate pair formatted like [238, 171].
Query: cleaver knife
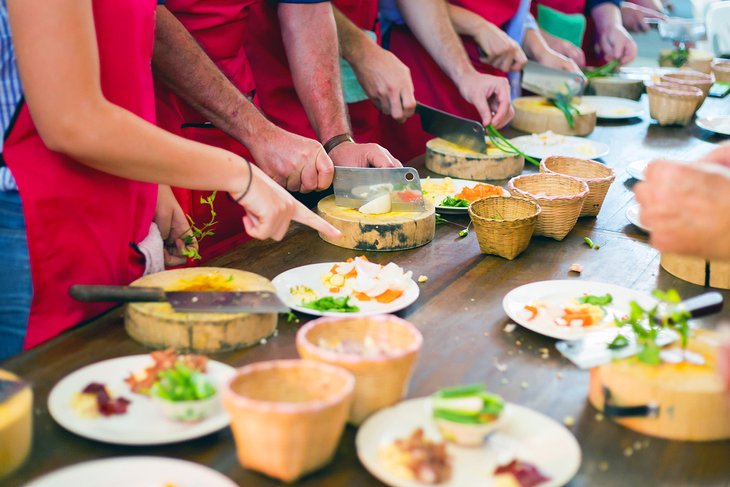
[355, 186]
[257, 302]
[550, 82]
[460, 131]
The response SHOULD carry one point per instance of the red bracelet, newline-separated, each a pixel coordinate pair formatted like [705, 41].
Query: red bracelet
[337, 140]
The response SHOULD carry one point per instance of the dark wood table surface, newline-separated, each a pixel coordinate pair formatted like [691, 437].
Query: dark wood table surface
[460, 314]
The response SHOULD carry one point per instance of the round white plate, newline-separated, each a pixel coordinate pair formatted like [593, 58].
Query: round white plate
[526, 435]
[634, 217]
[134, 471]
[561, 291]
[718, 124]
[459, 184]
[309, 275]
[614, 108]
[560, 145]
[637, 168]
[143, 423]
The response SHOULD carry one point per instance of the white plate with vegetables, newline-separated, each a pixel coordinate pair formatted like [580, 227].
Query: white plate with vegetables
[613, 108]
[450, 195]
[526, 437]
[134, 471]
[570, 309]
[357, 288]
[141, 421]
[548, 143]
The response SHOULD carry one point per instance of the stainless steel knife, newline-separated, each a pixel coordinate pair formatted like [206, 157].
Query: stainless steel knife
[550, 82]
[460, 131]
[257, 302]
[355, 186]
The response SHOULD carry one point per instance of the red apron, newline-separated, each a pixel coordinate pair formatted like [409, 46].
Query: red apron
[576, 7]
[80, 221]
[275, 88]
[218, 26]
[433, 87]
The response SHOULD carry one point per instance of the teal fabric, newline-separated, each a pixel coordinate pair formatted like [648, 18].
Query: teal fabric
[350, 85]
[571, 27]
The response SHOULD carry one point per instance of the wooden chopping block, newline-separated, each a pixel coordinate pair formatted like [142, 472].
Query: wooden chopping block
[443, 157]
[690, 401]
[698, 271]
[157, 325]
[389, 231]
[620, 87]
[535, 115]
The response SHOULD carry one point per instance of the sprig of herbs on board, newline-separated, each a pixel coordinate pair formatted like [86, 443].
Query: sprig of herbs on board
[677, 57]
[604, 70]
[564, 103]
[500, 142]
[199, 233]
[647, 323]
[464, 229]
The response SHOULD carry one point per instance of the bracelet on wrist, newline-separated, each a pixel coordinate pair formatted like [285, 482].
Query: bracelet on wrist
[337, 140]
[248, 185]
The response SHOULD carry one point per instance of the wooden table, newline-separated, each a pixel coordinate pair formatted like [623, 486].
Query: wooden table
[460, 314]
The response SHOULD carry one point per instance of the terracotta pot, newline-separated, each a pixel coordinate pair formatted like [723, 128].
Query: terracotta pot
[381, 379]
[287, 416]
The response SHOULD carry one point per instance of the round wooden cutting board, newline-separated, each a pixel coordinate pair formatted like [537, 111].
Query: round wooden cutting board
[157, 325]
[443, 157]
[535, 115]
[389, 231]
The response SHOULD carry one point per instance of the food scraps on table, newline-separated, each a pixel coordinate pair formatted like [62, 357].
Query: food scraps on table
[417, 458]
[521, 473]
[583, 311]
[95, 399]
[142, 381]
[466, 415]
[367, 281]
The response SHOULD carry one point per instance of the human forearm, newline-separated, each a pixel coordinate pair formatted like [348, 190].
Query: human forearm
[606, 16]
[354, 43]
[534, 44]
[314, 63]
[465, 22]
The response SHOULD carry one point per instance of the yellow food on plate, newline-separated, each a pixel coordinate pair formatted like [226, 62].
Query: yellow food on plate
[436, 191]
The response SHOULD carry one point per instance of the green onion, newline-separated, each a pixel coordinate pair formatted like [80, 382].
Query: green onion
[604, 70]
[596, 300]
[501, 143]
[331, 303]
[589, 242]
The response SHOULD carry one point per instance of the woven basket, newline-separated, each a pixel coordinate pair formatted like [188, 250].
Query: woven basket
[597, 176]
[560, 197]
[671, 104]
[721, 70]
[691, 78]
[504, 225]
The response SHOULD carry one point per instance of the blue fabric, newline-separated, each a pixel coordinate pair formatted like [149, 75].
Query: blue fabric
[389, 15]
[11, 92]
[16, 286]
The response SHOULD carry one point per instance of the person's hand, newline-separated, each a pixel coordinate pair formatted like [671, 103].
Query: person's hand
[565, 48]
[719, 155]
[387, 81]
[553, 59]
[294, 162]
[634, 16]
[616, 43]
[270, 209]
[500, 50]
[173, 225]
[687, 209]
[348, 154]
[490, 95]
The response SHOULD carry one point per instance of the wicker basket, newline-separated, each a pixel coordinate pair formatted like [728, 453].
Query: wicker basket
[691, 78]
[560, 197]
[381, 379]
[721, 70]
[504, 225]
[597, 176]
[671, 104]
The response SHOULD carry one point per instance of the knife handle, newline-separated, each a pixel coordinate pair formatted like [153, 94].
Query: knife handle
[117, 294]
[703, 305]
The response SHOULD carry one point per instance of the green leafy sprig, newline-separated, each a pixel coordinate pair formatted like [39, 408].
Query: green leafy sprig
[182, 383]
[199, 233]
[564, 103]
[500, 142]
[331, 303]
[677, 57]
[604, 70]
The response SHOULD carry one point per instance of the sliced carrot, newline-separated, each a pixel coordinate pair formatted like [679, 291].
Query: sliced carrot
[479, 191]
[389, 296]
[532, 310]
[361, 296]
[334, 289]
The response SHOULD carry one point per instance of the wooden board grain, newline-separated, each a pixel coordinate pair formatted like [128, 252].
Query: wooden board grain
[535, 115]
[448, 159]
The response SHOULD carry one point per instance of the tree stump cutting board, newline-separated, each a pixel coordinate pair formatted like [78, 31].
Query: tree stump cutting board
[157, 325]
[690, 400]
[535, 115]
[389, 231]
[698, 271]
[443, 157]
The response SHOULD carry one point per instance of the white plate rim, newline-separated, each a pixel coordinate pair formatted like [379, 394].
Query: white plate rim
[82, 470]
[602, 149]
[632, 215]
[702, 122]
[554, 286]
[460, 184]
[635, 105]
[420, 406]
[636, 168]
[409, 296]
[58, 406]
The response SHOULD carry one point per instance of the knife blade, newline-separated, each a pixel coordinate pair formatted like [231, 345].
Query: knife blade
[257, 302]
[550, 82]
[592, 350]
[460, 131]
[355, 186]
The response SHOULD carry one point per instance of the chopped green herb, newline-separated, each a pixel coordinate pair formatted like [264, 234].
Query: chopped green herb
[589, 242]
[292, 318]
[331, 303]
[463, 233]
[440, 220]
[677, 58]
[596, 300]
[564, 103]
[618, 343]
[199, 233]
[604, 70]
[501, 143]
[454, 202]
[230, 278]
[182, 384]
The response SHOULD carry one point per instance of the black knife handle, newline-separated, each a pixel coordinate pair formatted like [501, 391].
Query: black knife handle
[117, 294]
[703, 305]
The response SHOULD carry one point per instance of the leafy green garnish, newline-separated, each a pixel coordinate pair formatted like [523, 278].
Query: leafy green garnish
[444, 400]
[181, 383]
[454, 202]
[331, 303]
[618, 343]
[440, 220]
[501, 143]
[604, 70]
[199, 233]
[596, 300]
[564, 103]
[292, 318]
[677, 58]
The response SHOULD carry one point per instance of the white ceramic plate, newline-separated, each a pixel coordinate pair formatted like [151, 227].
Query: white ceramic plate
[560, 145]
[459, 184]
[143, 423]
[309, 275]
[614, 108]
[556, 293]
[718, 124]
[134, 471]
[526, 435]
[636, 169]
[634, 217]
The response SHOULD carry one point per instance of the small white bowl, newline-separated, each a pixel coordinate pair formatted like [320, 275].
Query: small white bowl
[470, 435]
[188, 411]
